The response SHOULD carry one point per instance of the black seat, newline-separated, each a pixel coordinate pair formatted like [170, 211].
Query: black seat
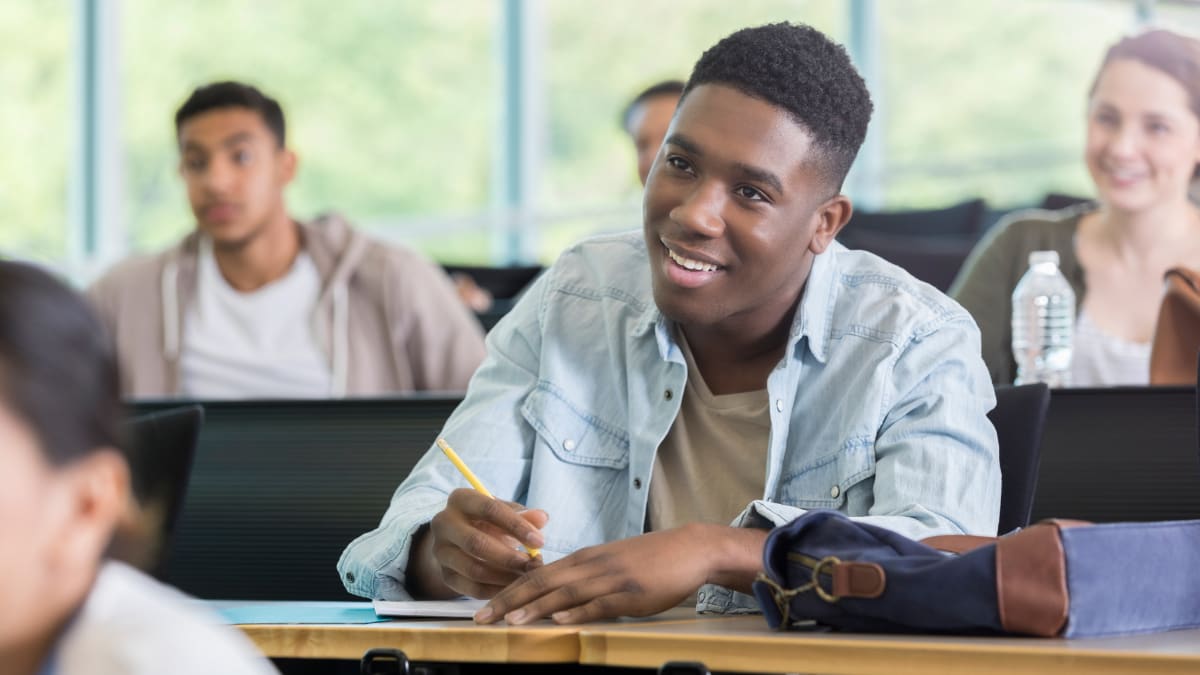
[960, 220]
[934, 260]
[160, 448]
[505, 284]
[279, 488]
[1019, 416]
[930, 244]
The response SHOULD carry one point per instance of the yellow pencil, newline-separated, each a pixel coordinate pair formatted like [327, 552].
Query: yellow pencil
[473, 480]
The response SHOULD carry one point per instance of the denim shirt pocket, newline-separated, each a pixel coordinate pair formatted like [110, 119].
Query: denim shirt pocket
[573, 435]
[825, 482]
[579, 471]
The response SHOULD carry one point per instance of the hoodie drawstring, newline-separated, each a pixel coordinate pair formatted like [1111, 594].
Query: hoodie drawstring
[341, 339]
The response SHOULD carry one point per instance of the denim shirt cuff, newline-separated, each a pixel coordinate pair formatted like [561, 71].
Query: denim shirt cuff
[373, 566]
[720, 600]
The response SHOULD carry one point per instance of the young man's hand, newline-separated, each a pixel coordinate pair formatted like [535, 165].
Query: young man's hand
[638, 576]
[474, 546]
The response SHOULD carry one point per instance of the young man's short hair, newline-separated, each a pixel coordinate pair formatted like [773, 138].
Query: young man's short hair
[230, 94]
[797, 68]
[673, 88]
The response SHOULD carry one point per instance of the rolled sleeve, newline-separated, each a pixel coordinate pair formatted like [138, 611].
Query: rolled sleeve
[486, 430]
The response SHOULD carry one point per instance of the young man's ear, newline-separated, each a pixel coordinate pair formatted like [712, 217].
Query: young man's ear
[831, 217]
[287, 165]
[97, 490]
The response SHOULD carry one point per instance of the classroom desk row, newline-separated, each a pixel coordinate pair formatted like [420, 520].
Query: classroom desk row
[731, 644]
[278, 488]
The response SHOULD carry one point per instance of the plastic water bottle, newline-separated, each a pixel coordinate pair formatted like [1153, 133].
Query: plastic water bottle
[1043, 322]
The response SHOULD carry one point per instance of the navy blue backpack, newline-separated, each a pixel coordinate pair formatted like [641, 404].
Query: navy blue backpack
[1053, 579]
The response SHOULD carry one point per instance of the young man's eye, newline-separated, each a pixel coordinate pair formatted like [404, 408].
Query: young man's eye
[194, 164]
[1157, 128]
[679, 163]
[747, 192]
[242, 157]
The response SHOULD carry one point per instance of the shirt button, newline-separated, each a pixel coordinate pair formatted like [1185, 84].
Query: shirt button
[668, 394]
[835, 491]
[350, 577]
[779, 404]
[637, 483]
[568, 445]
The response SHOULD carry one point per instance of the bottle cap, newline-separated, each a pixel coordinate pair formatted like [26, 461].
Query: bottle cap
[1039, 257]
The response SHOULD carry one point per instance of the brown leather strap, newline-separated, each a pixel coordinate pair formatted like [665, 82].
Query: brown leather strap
[1031, 581]
[1177, 333]
[858, 580]
[957, 543]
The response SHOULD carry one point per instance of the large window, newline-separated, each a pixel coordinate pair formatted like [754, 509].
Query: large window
[987, 98]
[390, 106]
[35, 128]
[412, 118]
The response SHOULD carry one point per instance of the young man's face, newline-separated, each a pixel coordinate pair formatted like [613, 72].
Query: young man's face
[235, 173]
[648, 126]
[735, 209]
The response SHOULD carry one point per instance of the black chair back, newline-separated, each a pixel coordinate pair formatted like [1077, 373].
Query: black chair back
[1120, 454]
[960, 220]
[160, 447]
[1019, 416]
[281, 487]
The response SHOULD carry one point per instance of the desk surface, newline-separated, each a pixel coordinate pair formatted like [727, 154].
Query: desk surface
[455, 640]
[744, 643]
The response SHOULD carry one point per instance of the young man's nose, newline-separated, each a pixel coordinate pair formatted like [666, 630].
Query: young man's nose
[701, 210]
[219, 176]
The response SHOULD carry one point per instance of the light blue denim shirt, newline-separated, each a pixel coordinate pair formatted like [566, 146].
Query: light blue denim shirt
[878, 410]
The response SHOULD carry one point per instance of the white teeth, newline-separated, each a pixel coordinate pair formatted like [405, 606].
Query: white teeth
[694, 265]
[1125, 174]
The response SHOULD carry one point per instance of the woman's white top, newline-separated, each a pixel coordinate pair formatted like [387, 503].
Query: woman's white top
[1099, 359]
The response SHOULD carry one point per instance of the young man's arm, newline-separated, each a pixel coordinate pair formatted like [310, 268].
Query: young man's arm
[492, 437]
[638, 576]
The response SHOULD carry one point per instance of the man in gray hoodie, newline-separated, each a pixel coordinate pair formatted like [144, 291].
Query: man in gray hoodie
[256, 304]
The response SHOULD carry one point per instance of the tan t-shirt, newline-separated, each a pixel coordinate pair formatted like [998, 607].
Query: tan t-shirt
[713, 461]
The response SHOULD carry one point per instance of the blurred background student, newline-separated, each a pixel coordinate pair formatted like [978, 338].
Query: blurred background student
[63, 488]
[1142, 152]
[255, 303]
[647, 118]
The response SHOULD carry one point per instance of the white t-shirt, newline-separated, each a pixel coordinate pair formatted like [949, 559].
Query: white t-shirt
[260, 344]
[1102, 360]
[133, 625]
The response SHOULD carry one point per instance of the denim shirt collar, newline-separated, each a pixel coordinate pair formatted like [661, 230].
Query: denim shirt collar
[812, 320]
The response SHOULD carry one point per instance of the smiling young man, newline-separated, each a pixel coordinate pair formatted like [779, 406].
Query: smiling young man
[257, 304]
[729, 364]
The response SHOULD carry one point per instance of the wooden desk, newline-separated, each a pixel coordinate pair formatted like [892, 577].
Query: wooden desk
[745, 644]
[457, 640]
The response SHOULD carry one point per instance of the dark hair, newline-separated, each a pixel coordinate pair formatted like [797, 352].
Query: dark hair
[672, 88]
[232, 95]
[58, 373]
[1171, 53]
[796, 68]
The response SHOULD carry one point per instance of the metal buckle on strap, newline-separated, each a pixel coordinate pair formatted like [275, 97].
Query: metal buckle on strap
[783, 596]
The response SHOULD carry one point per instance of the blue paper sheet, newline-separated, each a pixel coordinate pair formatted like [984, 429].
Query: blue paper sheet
[298, 612]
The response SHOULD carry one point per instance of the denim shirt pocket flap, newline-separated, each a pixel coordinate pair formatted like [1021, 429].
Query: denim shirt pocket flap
[823, 484]
[574, 436]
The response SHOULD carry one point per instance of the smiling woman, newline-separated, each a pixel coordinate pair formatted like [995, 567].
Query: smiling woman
[1142, 151]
